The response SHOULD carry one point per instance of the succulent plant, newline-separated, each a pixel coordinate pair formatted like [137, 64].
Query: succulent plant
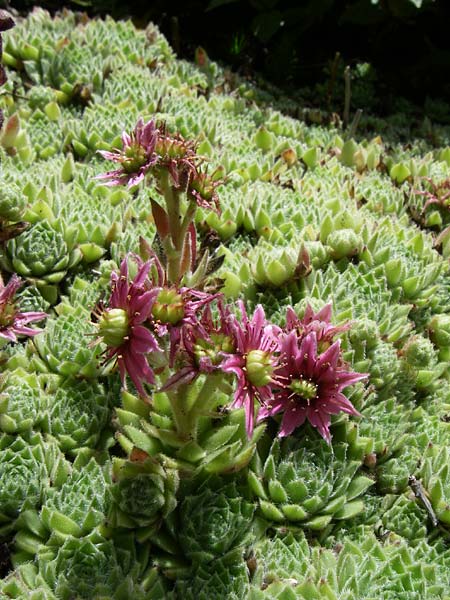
[219, 446]
[421, 363]
[22, 402]
[307, 217]
[63, 347]
[309, 483]
[27, 465]
[25, 582]
[404, 516]
[77, 415]
[12, 203]
[221, 578]
[435, 478]
[42, 254]
[357, 294]
[44, 131]
[80, 504]
[392, 475]
[214, 519]
[353, 572]
[90, 567]
[143, 492]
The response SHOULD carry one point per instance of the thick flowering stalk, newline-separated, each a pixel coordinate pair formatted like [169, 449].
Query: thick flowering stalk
[253, 361]
[13, 322]
[175, 166]
[121, 325]
[136, 157]
[311, 385]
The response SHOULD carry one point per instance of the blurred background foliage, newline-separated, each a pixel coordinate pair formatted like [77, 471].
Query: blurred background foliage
[395, 48]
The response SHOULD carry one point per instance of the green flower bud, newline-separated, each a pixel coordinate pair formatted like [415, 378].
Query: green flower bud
[259, 367]
[113, 326]
[168, 307]
[220, 343]
[136, 157]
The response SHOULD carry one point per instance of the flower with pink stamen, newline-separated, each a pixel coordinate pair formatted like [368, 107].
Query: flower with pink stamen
[203, 346]
[136, 157]
[13, 322]
[253, 361]
[174, 309]
[312, 385]
[121, 325]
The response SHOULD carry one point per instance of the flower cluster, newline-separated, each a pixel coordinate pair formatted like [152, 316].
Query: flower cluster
[152, 149]
[163, 325]
[297, 372]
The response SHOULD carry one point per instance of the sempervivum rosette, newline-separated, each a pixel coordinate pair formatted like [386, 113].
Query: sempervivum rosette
[92, 567]
[215, 518]
[80, 504]
[64, 347]
[27, 464]
[25, 582]
[143, 492]
[12, 203]
[21, 401]
[287, 567]
[308, 483]
[76, 415]
[222, 578]
[42, 254]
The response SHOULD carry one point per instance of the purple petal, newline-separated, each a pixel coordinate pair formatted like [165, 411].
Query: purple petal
[321, 421]
[142, 340]
[114, 156]
[344, 379]
[329, 358]
[307, 353]
[291, 420]
[342, 404]
[8, 334]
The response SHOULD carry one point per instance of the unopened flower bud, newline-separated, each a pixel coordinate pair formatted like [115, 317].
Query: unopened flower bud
[259, 367]
[113, 326]
[169, 307]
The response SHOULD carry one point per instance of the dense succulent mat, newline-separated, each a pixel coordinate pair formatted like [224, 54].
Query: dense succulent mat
[308, 217]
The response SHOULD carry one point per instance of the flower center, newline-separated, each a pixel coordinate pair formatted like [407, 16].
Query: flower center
[113, 326]
[219, 343]
[135, 158]
[304, 389]
[168, 307]
[259, 367]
